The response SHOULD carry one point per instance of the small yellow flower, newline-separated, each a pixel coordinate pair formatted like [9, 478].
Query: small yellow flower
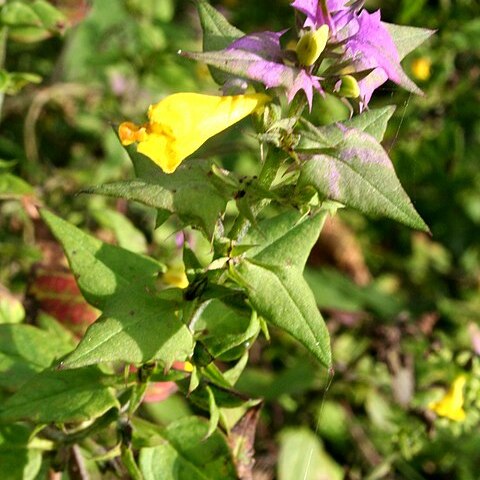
[181, 123]
[421, 68]
[311, 45]
[175, 276]
[451, 405]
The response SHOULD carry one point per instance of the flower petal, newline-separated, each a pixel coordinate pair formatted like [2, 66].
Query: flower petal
[183, 122]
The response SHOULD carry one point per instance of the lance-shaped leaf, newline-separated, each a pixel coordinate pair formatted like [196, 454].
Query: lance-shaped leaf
[136, 325]
[191, 192]
[218, 33]
[359, 173]
[276, 288]
[135, 328]
[100, 269]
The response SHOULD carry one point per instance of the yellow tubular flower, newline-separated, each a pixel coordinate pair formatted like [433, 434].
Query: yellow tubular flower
[181, 123]
[451, 405]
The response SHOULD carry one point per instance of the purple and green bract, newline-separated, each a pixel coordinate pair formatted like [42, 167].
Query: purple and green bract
[367, 43]
[363, 41]
[259, 57]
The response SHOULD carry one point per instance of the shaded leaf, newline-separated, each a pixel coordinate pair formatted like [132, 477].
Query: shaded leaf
[242, 439]
[186, 453]
[217, 34]
[61, 396]
[13, 186]
[223, 327]
[302, 456]
[26, 350]
[16, 459]
[191, 192]
[127, 235]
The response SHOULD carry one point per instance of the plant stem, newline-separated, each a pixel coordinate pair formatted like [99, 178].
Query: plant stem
[265, 179]
[3, 53]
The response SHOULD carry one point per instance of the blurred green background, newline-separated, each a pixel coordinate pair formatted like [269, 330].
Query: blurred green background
[403, 307]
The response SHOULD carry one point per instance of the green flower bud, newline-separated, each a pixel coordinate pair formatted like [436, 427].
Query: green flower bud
[349, 87]
[311, 45]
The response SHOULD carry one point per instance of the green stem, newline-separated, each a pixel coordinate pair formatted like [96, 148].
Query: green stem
[265, 179]
[71, 438]
[3, 53]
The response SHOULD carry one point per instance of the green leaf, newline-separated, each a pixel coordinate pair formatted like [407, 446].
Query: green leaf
[136, 328]
[11, 309]
[374, 121]
[12, 82]
[222, 327]
[52, 19]
[217, 34]
[61, 396]
[136, 325]
[101, 270]
[295, 380]
[26, 350]
[303, 456]
[186, 453]
[333, 290]
[276, 287]
[191, 192]
[17, 14]
[213, 411]
[13, 186]
[126, 233]
[16, 459]
[33, 22]
[406, 38]
[359, 174]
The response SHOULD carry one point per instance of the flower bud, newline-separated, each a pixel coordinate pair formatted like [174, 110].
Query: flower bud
[311, 45]
[349, 87]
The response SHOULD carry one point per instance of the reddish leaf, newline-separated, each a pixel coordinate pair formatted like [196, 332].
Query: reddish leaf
[241, 440]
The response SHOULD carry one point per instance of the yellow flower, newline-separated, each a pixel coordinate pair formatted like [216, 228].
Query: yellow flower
[181, 123]
[451, 405]
[421, 68]
[175, 276]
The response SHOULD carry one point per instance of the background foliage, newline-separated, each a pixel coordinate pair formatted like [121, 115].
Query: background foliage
[402, 307]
